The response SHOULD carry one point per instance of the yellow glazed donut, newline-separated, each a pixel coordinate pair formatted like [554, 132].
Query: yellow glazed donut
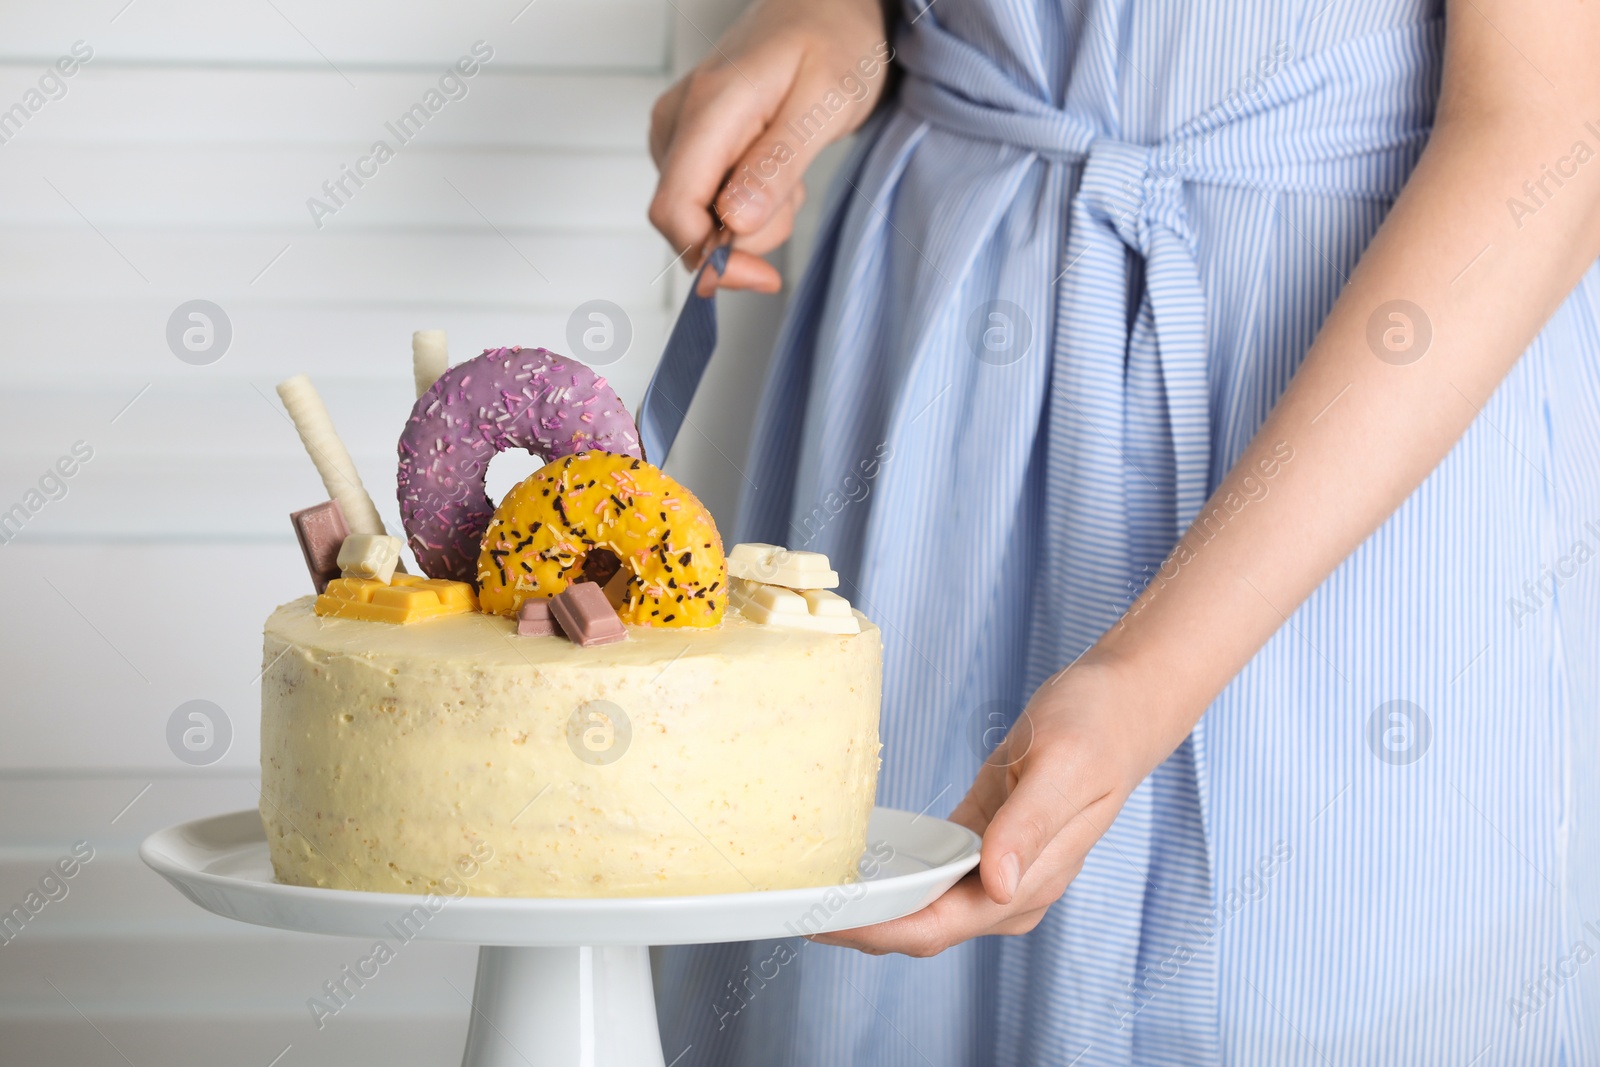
[664, 537]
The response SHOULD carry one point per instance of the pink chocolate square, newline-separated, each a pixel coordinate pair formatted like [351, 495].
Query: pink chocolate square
[534, 619]
[586, 616]
[321, 531]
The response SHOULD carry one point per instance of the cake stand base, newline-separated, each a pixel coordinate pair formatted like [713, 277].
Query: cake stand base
[563, 1007]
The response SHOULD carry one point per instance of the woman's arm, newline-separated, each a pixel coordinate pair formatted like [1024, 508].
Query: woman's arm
[1519, 88]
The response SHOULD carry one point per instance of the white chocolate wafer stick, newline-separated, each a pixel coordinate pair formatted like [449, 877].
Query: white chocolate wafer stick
[430, 357]
[329, 454]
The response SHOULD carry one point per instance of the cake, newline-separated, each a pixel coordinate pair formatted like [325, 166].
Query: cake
[716, 761]
[541, 730]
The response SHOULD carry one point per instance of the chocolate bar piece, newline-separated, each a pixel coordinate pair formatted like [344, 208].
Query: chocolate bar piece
[534, 618]
[404, 599]
[586, 616]
[321, 531]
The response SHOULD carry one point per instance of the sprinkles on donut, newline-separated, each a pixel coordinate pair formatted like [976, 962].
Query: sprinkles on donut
[505, 398]
[665, 539]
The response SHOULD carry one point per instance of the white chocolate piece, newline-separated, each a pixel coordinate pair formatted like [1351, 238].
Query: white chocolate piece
[430, 358]
[828, 605]
[369, 556]
[333, 460]
[774, 600]
[775, 565]
[815, 609]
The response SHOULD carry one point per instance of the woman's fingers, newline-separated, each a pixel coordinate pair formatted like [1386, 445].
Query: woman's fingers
[1047, 795]
[717, 117]
[779, 225]
[994, 787]
[994, 781]
[967, 910]
[964, 912]
[988, 792]
[664, 119]
[766, 176]
[744, 271]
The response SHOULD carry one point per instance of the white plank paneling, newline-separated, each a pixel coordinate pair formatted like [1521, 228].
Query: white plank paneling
[235, 498]
[226, 498]
[236, 485]
[265, 974]
[163, 980]
[477, 263]
[211, 457]
[44, 809]
[116, 636]
[108, 105]
[179, 1037]
[342, 38]
[116, 347]
[224, 418]
[100, 899]
[229, 498]
[248, 186]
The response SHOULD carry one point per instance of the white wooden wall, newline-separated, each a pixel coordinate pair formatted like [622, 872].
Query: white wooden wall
[177, 167]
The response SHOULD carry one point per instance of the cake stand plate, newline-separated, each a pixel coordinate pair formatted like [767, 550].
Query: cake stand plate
[562, 982]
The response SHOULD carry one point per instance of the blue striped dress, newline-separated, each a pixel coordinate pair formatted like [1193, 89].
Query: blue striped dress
[1062, 281]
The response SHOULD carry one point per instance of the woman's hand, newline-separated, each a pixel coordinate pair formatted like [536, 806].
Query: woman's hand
[788, 78]
[1041, 800]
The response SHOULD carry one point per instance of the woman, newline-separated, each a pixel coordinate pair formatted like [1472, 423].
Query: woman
[1238, 420]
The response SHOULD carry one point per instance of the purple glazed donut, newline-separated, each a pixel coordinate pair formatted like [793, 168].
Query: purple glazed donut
[506, 398]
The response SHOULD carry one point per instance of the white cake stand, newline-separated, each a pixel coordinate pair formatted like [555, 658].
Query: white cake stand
[562, 982]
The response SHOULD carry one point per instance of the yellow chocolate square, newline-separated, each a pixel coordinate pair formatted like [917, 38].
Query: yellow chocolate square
[407, 598]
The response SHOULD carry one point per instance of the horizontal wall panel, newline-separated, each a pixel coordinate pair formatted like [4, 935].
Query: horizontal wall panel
[260, 974]
[237, 498]
[239, 186]
[221, 418]
[187, 466]
[170, 498]
[177, 1038]
[533, 269]
[108, 640]
[115, 347]
[102, 897]
[108, 105]
[44, 809]
[222, 415]
[173, 498]
[600, 34]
